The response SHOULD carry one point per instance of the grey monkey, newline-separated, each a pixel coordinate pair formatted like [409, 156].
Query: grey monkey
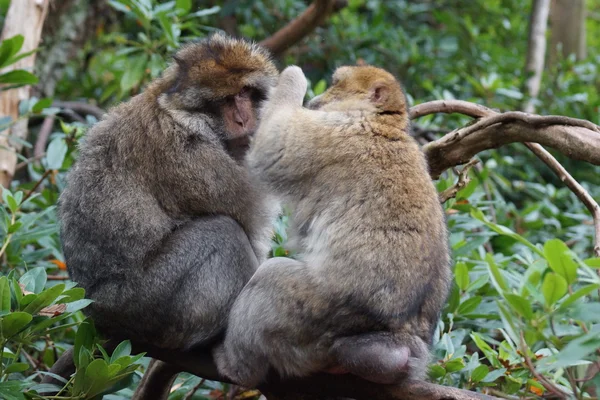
[161, 222]
[373, 272]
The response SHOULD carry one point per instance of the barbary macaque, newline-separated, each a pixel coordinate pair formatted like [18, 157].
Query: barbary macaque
[161, 222]
[373, 270]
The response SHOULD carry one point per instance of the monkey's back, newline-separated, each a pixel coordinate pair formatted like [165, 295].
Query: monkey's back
[109, 216]
[375, 210]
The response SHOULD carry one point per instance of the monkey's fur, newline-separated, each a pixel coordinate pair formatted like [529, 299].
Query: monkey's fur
[374, 268]
[162, 225]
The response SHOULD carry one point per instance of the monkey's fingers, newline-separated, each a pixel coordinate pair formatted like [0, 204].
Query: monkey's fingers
[291, 87]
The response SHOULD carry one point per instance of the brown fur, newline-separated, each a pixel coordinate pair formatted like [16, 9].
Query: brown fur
[373, 270]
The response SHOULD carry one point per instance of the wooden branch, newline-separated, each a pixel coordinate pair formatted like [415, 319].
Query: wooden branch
[320, 386]
[42, 140]
[463, 180]
[81, 108]
[572, 184]
[536, 51]
[314, 15]
[24, 17]
[576, 138]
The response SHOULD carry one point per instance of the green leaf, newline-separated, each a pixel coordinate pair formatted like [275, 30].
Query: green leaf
[78, 305]
[184, 5]
[502, 230]
[16, 367]
[55, 155]
[454, 365]
[584, 291]
[553, 288]
[96, 377]
[489, 353]
[469, 305]
[34, 280]
[577, 350]
[492, 376]
[13, 323]
[4, 295]
[18, 77]
[520, 305]
[72, 295]
[84, 339]
[497, 278]
[134, 73]
[559, 258]
[44, 299]
[320, 87]
[461, 275]
[593, 262]
[437, 371]
[12, 204]
[123, 349]
[8, 48]
[41, 104]
[479, 373]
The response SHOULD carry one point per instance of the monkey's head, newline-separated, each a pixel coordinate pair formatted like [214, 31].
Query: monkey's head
[361, 88]
[224, 79]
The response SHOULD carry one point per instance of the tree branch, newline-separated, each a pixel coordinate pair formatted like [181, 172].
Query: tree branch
[200, 363]
[81, 108]
[314, 15]
[577, 139]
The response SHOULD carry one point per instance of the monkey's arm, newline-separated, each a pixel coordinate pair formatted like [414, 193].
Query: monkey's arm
[292, 142]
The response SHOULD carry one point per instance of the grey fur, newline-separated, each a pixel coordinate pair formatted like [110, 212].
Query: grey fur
[159, 223]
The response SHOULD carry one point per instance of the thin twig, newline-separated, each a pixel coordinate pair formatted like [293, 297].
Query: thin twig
[193, 390]
[23, 164]
[440, 152]
[42, 139]
[541, 379]
[463, 180]
[81, 107]
[572, 184]
[37, 184]
[58, 277]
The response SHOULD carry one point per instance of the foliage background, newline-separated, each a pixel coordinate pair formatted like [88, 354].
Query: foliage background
[525, 304]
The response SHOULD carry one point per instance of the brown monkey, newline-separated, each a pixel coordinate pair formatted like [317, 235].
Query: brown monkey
[373, 272]
[161, 222]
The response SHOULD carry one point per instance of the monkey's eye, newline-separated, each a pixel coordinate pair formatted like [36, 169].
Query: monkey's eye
[246, 91]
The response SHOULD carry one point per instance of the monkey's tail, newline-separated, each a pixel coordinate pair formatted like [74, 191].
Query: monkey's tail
[380, 357]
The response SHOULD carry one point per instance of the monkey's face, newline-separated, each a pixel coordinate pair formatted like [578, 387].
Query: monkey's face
[361, 88]
[225, 81]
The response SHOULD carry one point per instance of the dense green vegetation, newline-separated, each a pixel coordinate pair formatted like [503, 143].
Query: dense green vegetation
[525, 305]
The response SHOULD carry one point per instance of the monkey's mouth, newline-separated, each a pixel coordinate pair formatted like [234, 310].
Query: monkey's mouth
[243, 141]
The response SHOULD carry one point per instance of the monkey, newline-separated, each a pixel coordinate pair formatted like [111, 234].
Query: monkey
[161, 222]
[366, 290]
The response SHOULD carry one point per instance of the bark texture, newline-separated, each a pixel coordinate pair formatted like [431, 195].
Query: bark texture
[24, 17]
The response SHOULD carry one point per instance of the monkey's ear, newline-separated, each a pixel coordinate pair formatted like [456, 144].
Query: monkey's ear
[379, 93]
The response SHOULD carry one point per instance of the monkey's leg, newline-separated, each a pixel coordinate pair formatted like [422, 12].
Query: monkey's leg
[182, 297]
[273, 324]
[157, 381]
[380, 357]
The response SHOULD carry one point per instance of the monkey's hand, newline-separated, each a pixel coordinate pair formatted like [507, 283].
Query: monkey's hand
[291, 88]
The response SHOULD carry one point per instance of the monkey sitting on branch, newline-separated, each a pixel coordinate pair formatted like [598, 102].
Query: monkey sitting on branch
[373, 272]
[161, 222]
